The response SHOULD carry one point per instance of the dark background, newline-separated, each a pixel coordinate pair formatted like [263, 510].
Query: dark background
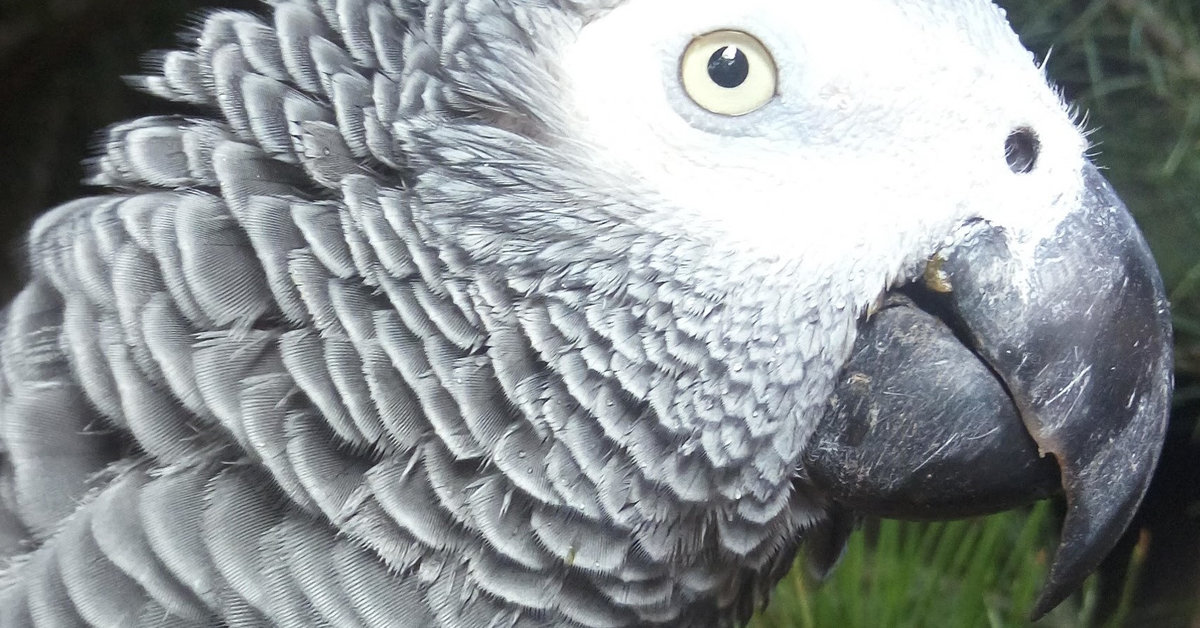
[1133, 65]
[61, 69]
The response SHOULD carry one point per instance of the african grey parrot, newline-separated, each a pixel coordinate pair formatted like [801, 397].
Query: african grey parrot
[566, 313]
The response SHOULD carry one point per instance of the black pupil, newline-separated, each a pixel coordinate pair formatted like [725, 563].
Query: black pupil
[728, 67]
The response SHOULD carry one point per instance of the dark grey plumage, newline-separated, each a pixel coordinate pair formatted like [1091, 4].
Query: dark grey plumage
[327, 353]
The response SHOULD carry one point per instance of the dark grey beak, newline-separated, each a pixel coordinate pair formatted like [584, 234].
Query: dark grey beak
[955, 397]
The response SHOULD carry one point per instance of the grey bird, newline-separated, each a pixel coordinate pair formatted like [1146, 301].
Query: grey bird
[566, 313]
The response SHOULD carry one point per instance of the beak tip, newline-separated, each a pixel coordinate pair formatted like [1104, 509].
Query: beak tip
[1100, 407]
[1046, 603]
[1102, 501]
[1074, 560]
[1060, 583]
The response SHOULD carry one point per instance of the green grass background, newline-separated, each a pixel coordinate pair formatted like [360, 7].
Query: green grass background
[963, 573]
[1132, 65]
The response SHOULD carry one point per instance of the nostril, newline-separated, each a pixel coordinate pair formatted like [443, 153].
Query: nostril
[1021, 149]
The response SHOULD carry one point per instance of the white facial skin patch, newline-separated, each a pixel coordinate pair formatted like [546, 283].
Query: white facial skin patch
[890, 139]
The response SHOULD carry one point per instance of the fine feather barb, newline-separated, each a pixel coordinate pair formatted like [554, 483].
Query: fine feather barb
[118, 532]
[102, 594]
[375, 593]
[334, 477]
[311, 564]
[303, 355]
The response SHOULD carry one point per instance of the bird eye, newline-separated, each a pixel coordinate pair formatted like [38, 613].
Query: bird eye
[728, 72]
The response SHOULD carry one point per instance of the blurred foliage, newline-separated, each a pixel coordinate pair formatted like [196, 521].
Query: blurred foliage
[1132, 65]
[984, 572]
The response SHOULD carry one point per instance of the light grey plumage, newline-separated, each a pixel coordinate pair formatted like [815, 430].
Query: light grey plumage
[372, 340]
[262, 321]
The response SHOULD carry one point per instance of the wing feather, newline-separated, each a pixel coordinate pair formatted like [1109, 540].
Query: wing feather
[253, 384]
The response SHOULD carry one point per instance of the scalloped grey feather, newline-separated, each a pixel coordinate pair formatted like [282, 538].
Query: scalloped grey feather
[255, 381]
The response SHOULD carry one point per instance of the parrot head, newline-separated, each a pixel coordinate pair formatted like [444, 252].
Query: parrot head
[829, 259]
